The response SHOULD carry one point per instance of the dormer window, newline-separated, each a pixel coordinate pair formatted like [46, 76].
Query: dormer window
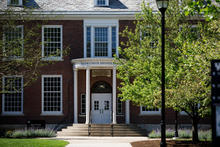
[15, 2]
[101, 2]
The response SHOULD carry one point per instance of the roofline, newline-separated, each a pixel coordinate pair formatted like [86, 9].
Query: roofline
[68, 15]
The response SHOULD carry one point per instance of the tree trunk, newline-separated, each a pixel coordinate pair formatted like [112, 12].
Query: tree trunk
[195, 137]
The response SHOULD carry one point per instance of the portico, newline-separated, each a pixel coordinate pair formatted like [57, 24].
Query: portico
[90, 64]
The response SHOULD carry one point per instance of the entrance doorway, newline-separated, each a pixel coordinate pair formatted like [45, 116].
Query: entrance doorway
[101, 108]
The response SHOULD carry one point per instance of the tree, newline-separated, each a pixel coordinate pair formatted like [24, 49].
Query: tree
[21, 46]
[188, 54]
[208, 8]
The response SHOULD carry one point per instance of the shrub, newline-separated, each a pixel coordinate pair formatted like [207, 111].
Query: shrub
[154, 134]
[157, 133]
[8, 133]
[183, 133]
[205, 135]
[33, 133]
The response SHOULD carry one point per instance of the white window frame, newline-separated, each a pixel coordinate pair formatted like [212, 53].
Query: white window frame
[81, 104]
[3, 96]
[42, 96]
[22, 48]
[55, 58]
[106, 3]
[149, 112]
[101, 23]
[20, 3]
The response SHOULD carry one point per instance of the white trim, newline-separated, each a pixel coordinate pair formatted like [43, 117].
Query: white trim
[42, 96]
[75, 95]
[114, 101]
[127, 112]
[56, 58]
[20, 3]
[22, 96]
[109, 23]
[87, 96]
[22, 48]
[149, 112]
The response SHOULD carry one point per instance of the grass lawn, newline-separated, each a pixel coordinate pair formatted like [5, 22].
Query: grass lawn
[5, 142]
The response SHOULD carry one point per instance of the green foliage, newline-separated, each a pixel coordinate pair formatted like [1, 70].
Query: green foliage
[22, 54]
[205, 135]
[188, 55]
[30, 133]
[208, 8]
[8, 133]
[32, 143]
[183, 133]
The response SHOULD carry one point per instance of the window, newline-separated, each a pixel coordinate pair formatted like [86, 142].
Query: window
[52, 94]
[148, 110]
[12, 95]
[52, 42]
[15, 2]
[83, 104]
[119, 106]
[13, 41]
[101, 2]
[101, 39]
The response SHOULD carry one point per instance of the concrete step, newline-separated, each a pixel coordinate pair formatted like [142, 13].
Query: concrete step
[102, 130]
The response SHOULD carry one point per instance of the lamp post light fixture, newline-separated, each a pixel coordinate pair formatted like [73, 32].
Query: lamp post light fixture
[162, 6]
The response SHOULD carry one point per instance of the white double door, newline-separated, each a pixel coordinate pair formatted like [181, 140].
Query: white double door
[101, 108]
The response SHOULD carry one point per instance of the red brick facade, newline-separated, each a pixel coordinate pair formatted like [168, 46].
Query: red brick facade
[73, 38]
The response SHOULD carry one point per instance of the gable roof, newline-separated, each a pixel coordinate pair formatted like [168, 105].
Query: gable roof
[81, 5]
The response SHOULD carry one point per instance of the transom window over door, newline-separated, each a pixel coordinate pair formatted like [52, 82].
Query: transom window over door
[101, 38]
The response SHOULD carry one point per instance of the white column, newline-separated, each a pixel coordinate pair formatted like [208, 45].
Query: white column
[127, 112]
[75, 96]
[87, 95]
[114, 121]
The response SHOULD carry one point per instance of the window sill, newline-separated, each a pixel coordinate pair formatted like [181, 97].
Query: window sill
[12, 114]
[52, 59]
[150, 113]
[10, 59]
[52, 114]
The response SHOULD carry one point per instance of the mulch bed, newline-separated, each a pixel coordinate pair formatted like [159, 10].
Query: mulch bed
[156, 143]
[148, 143]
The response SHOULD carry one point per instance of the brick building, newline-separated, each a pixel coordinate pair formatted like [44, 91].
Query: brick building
[80, 87]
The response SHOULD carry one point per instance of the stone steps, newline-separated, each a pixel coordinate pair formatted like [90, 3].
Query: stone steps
[102, 130]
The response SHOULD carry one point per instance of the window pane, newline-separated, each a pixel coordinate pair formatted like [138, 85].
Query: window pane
[13, 96]
[52, 94]
[119, 106]
[101, 42]
[13, 41]
[101, 2]
[88, 41]
[113, 41]
[83, 104]
[52, 42]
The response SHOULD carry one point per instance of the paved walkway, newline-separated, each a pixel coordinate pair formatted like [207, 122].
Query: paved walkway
[101, 141]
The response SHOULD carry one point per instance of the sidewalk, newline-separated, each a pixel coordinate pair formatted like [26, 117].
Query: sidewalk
[101, 141]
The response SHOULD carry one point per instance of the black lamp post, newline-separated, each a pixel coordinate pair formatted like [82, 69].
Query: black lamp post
[162, 6]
